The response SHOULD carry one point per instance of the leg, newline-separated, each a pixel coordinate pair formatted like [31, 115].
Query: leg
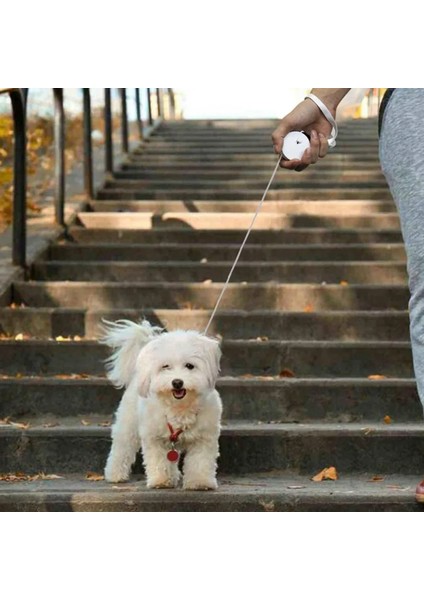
[200, 465]
[160, 472]
[125, 439]
[402, 161]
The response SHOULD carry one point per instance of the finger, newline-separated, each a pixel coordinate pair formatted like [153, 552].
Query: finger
[315, 147]
[277, 140]
[323, 145]
[292, 165]
[278, 137]
[298, 165]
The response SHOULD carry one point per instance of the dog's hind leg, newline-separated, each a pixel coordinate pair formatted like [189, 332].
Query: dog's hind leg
[125, 438]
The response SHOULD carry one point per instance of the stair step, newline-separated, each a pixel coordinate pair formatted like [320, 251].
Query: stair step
[199, 183]
[277, 492]
[233, 177]
[298, 192]
[256, 399]
[241, 358]
[142, 164]
[245, 448]
[330, 326]
[299, 235]
[294, 272]
[158, 162]
[221, 252]
[273, 296]
[234, 221]
[294, 207]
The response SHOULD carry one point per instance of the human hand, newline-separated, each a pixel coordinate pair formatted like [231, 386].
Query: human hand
[305, 117]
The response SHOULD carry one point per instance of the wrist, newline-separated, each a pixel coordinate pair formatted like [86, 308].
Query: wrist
[331, 97]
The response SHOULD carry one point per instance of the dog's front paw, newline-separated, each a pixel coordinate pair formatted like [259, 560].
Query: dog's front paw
[162, 484]
[201, 485]
[116, 475]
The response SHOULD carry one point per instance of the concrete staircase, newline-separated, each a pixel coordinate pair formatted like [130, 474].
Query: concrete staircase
[317, 368]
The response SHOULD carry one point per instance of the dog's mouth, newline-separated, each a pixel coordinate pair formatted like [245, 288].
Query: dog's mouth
[179, 394]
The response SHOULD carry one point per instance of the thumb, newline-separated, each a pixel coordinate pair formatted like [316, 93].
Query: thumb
[278, 136]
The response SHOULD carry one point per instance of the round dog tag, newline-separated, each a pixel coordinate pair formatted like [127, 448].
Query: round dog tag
[173, 456]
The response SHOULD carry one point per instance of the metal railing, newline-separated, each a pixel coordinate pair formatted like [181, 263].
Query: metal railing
[18, 97]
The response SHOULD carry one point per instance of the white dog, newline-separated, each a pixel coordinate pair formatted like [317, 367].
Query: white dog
[170, 405]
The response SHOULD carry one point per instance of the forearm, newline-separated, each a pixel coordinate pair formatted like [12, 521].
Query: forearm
[331, 96]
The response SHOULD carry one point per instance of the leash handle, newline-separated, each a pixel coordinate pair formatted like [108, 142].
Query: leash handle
[258, 210]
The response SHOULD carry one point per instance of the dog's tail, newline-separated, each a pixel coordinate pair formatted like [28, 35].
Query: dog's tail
[126, 339]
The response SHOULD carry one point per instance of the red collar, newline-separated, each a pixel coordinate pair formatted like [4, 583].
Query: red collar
[173, 438]
[174, 455]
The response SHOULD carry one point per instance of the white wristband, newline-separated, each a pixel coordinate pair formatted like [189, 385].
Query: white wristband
[327, 114]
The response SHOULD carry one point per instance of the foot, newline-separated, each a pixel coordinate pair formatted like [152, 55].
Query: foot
[163, 483]
[420, 493]
[200, 485]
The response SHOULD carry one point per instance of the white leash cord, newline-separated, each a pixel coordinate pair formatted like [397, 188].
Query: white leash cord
[258, 210]
[331, 142]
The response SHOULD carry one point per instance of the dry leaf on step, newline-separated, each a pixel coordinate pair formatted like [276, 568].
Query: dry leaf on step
[377, 377]
[287, 374]
[329, 474]
[388, 420]
[94, 477]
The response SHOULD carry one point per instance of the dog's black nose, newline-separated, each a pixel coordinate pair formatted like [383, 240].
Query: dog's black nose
[178, 384]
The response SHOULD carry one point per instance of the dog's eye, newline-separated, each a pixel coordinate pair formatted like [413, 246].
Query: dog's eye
[189, 366]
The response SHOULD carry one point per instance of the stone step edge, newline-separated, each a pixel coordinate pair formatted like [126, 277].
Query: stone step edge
[365, 429]
[226, 382]
[234, 343]
[272, 493]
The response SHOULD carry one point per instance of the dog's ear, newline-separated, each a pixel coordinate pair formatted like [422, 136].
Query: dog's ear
[144, 373]
[212, 355]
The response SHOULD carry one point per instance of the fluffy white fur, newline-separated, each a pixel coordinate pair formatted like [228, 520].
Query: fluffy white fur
[148, 362]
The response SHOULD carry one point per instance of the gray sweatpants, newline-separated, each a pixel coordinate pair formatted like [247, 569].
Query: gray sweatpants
[402, 161]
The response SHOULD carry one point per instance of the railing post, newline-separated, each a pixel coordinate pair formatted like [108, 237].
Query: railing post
[149, 105]
[124, 120]
[138, 109]
[171, 103]
[59, 144]
[108, 133]
[88, 144]
[19, 178]
[158, 100]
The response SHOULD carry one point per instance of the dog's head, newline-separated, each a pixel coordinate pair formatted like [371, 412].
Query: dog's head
[179, 364]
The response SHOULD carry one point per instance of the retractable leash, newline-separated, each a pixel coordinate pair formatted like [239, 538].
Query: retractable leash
[294, 146]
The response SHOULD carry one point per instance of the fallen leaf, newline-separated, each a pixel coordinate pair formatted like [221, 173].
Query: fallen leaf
[208, 282]
[77, 338]
[388, 420]
[60, 338]
[45, 477]
[309, 308]
[7, 421]
[344, 283]
[296, 487]
[19, 337]
[105, 424]
[368, 430]
[287, 374]
[376, 479]
[262, 339]
[329, 474]
[377, 377]
[85, 423]
[94, 477]
[50, 425]
[204, 261]
[268, 506]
